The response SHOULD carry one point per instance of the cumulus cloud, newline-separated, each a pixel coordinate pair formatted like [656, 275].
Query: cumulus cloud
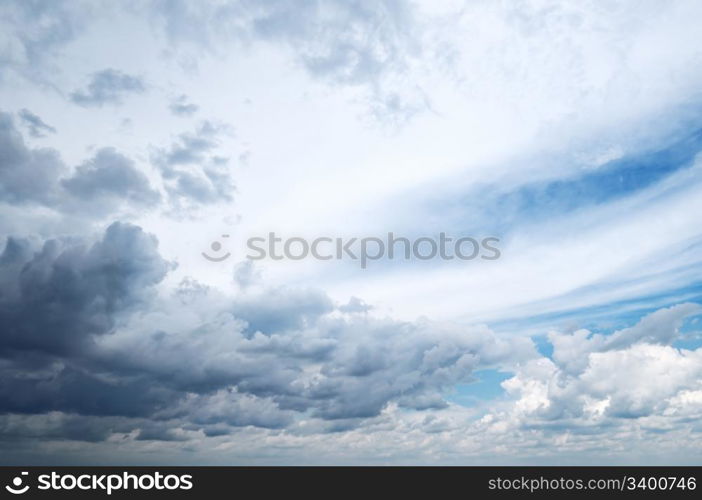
[110, 183]
[191, 168]
[190, 147]
[291, 346]
[83, 333]
[597, 379]
[366, 387]
[86, 340]
[660, 327]
[108, 86]
[110, 175]
[102, 185]
[54, 299]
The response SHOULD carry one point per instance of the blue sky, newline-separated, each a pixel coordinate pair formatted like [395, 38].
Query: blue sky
[133, 135]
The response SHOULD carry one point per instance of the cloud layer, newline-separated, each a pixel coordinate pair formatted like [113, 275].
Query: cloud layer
[135, 136]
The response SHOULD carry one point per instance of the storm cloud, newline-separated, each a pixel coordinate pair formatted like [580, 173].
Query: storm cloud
[84, 333]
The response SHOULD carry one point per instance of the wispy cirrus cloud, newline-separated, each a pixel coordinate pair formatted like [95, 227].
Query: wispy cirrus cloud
[37, 127]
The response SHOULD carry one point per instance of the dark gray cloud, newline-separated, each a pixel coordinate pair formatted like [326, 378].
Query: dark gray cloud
[182, 107]
[54, 302]
[290, 349]
[108, 86]
[37, 127]
[55, 299]
[76, 391]
[20, 429]
[82, 333]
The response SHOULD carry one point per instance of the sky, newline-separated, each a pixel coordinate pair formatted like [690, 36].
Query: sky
[136, 136]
